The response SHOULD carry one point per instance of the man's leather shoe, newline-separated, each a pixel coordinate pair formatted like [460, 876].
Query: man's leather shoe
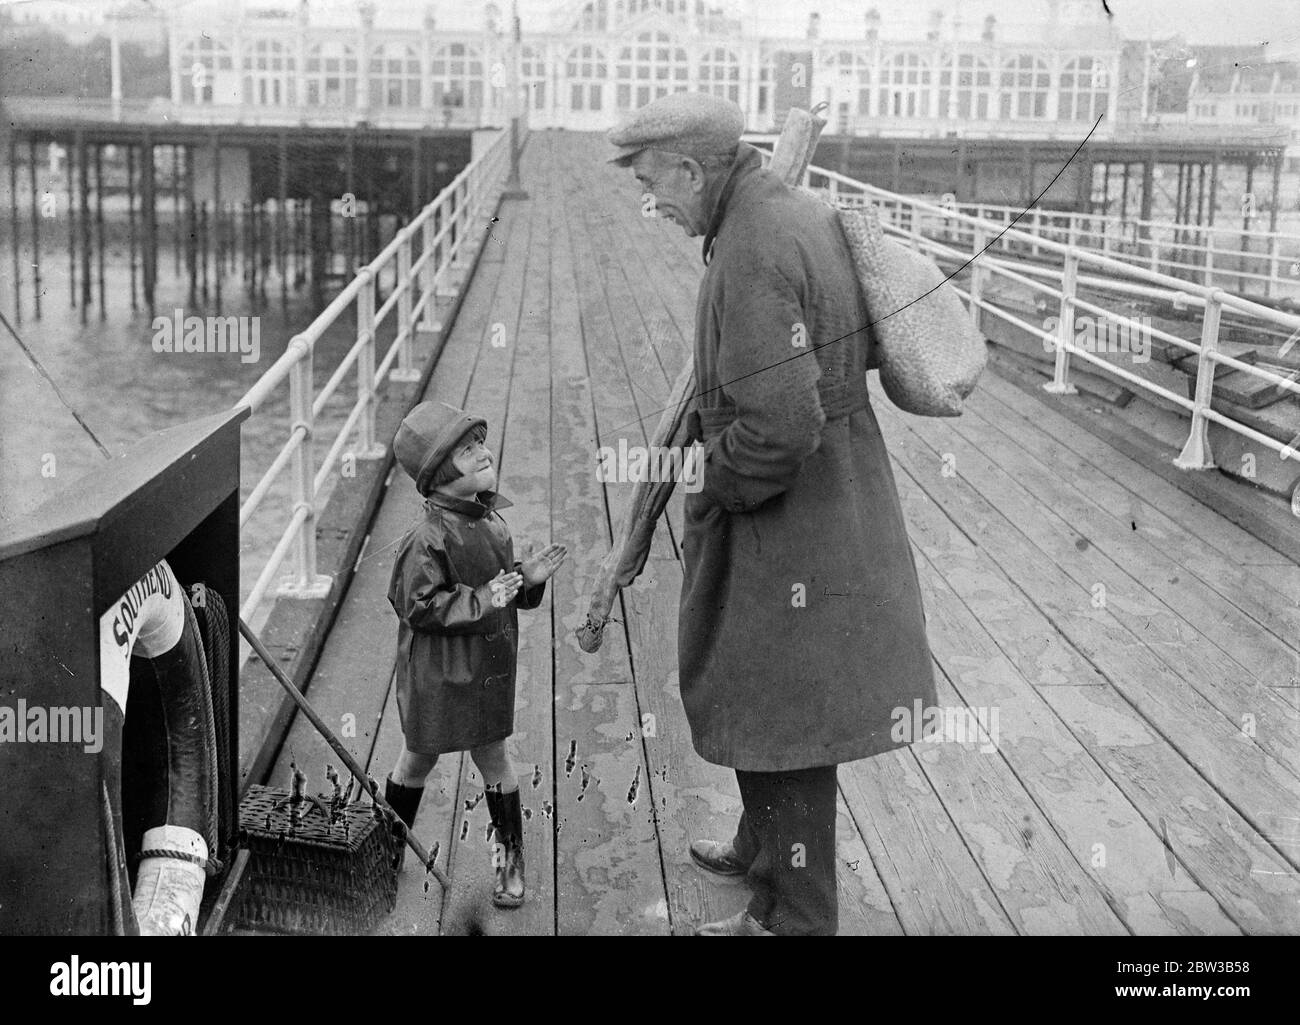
[742, 924]
[718, 856]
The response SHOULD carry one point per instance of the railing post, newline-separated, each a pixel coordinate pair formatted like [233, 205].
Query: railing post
[1272, 266]
[428, 274]
[1209, 260]
[405, 369]
[1196, 454]
[309, 583]
[1060, 382]
[367, 446]
[978, 242]
[1036, 226]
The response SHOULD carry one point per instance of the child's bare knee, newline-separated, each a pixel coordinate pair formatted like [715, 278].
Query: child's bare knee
[493, 762]
[412, 767]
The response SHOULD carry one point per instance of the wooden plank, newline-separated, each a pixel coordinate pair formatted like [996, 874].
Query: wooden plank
[1066, 780]
[608, 875]
[1269, 522]
[1038, 882]
[1234, 661]
[1154, 507]
[934, 885]
[1252, 781]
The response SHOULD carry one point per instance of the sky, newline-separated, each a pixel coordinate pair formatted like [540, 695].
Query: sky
[1199, 21]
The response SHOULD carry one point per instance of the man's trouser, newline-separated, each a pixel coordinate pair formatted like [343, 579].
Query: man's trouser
[787, 836]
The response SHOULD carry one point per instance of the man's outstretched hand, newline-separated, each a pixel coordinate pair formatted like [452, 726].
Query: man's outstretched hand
[540, 567]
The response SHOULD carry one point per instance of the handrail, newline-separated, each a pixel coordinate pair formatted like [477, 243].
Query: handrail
[907, 222]
[418, 280]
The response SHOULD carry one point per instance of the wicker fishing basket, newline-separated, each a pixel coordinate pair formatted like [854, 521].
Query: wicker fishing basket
[313, 876]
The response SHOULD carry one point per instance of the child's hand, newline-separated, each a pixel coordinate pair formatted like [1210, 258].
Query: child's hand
[541, 567]
[504, 588]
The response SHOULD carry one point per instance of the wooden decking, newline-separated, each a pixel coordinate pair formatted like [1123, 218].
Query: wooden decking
[1139, 651]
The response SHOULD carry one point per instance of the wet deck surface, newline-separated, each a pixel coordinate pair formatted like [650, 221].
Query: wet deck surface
[1138, 649]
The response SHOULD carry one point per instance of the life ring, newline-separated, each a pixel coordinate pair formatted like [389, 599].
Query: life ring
[151, 650]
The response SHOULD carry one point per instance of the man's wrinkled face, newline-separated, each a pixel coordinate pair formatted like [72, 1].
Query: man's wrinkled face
[677, 184]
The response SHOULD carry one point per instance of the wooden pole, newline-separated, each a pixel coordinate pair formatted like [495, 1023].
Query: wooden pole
[149, 198]
[130, 219]
[72, 227]
[99, 226]
[176, 210]
[13, 224]
[36, 227]
[281, 224]
[217, 213]
[83, 158]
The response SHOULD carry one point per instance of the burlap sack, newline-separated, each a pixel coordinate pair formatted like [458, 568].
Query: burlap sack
[930, 355]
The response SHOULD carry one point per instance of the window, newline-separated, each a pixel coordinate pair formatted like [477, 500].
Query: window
[1085, 90]
[720, 74]
[331, 75]
[1025, 81]
[974, 89]
[268, 73]
[394, 76]
[652, 68]
[855, 74]
[586, 70]
[200, 59]
[532, 71]
[457, 76]
[909, 86]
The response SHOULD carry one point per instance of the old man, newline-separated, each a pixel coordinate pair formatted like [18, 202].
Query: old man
[801, 629]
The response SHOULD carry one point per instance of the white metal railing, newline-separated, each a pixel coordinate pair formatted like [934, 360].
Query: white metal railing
[916, 222]
[1245, 260]
[443, 234]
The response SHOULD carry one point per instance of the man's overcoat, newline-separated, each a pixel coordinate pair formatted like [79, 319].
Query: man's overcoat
[801, 630]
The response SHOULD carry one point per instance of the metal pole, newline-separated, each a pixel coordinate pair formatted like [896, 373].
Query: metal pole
[1060, 383]
[513, 188]
[405, 370]
[1196, 454]
[368, 447]
[309, 583]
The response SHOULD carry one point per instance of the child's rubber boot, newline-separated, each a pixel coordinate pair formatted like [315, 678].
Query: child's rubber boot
[508, 851]
[406, 802]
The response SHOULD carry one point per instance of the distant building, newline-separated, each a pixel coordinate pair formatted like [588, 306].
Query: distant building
[1245, 95]
[79, 23]
[593, 60]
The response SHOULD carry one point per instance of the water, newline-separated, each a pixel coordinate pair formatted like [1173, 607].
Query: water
[108, 371]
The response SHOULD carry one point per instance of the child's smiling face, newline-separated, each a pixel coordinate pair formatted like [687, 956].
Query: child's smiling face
[478, 470]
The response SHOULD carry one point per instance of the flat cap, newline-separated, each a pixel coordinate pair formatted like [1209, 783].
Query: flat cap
[696, 124]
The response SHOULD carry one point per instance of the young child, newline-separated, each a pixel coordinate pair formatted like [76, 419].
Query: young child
[455, 588]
